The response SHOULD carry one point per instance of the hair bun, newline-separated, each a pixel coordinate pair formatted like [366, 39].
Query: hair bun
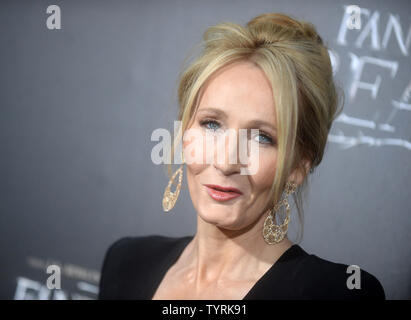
[270, 27]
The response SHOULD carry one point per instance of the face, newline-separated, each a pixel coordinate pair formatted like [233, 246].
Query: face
[238, 96]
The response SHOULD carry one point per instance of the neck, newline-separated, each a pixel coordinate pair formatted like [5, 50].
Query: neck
[219, 254]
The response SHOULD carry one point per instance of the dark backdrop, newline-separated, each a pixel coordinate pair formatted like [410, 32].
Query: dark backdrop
[79, 104]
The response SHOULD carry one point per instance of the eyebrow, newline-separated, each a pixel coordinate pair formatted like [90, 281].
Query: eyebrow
[215, 110]
[261, 123]
[251, 124]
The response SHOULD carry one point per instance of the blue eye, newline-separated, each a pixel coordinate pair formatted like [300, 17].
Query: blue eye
[210, 124]
[264, 139]
[215, 125]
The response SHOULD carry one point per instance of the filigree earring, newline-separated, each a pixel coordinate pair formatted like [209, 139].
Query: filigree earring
[272, 232]
[170, 198]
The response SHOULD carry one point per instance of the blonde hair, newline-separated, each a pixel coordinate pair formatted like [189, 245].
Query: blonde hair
[296, 62]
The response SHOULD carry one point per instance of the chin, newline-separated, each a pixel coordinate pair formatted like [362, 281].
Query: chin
[221, 217]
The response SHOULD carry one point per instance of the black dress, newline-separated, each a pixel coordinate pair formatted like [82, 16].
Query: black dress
[134, 267]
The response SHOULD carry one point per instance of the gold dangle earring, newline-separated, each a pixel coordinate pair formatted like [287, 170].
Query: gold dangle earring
[272, 232]
[170, 198]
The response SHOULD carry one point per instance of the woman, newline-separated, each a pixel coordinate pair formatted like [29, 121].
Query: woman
[273, 75]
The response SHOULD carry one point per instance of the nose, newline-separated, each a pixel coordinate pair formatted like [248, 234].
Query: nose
[226, 159]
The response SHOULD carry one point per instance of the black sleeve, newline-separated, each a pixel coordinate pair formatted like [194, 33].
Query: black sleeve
[372, 287]
[109, 280]
[327, 280]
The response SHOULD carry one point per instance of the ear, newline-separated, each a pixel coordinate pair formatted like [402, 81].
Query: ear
[299, 174]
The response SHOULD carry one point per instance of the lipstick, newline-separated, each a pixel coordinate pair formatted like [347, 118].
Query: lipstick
[220, 193]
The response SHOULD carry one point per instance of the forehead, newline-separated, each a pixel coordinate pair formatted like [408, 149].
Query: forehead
[240, 89]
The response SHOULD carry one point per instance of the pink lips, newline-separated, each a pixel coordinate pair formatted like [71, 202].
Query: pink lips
[220, 193]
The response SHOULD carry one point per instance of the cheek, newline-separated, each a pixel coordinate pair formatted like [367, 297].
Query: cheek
[194, 169]
[267, 161]
[194, 150]
[194, 184]
[192, 145]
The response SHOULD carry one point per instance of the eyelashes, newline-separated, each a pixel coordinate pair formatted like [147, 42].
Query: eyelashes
[215, 125]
